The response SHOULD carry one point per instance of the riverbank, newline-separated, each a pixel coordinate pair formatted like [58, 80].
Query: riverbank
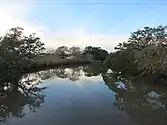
[37, 65]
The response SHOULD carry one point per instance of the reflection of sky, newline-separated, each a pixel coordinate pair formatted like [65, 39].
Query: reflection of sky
[85, 102]
[84, 87]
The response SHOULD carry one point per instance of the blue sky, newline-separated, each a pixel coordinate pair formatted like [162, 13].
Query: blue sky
[101, 16]
[102, 23]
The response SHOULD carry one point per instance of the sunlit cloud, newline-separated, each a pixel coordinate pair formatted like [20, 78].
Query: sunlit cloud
[16, 13]
[71, 38]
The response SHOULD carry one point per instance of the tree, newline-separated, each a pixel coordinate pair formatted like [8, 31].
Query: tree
[121, 63]
[75, 52]
[26, 47]
[62, 51]
[96, 52]
[147, 50]
[150, 47]
[16, 51]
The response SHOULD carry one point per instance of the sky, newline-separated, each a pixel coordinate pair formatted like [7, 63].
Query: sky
[102, 23]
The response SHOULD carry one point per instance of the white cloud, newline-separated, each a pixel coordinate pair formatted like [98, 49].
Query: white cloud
[82, 39]
[16, 12]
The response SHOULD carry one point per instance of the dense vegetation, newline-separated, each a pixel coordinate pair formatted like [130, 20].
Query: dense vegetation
[144, 53]
[16, 50]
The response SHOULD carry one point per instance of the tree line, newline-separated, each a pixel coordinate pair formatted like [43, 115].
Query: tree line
[74, 52]
[16, 50]
[144, 53]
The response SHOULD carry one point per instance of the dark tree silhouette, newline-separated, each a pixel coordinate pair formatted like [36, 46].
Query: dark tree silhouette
[62, 51]
[96, 52]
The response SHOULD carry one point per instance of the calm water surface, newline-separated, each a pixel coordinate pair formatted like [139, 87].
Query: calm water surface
[75, 97]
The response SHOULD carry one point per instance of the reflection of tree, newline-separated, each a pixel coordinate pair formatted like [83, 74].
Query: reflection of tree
[18, 94]
[46, 74]
[94, 70]
[143, 103]
[141, 108]
[61, 73]
[73, 73]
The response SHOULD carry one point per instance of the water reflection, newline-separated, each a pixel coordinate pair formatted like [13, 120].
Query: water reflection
[87, 94]
[17, 94]
[94, 70]
[145, 104]
[72, 73]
